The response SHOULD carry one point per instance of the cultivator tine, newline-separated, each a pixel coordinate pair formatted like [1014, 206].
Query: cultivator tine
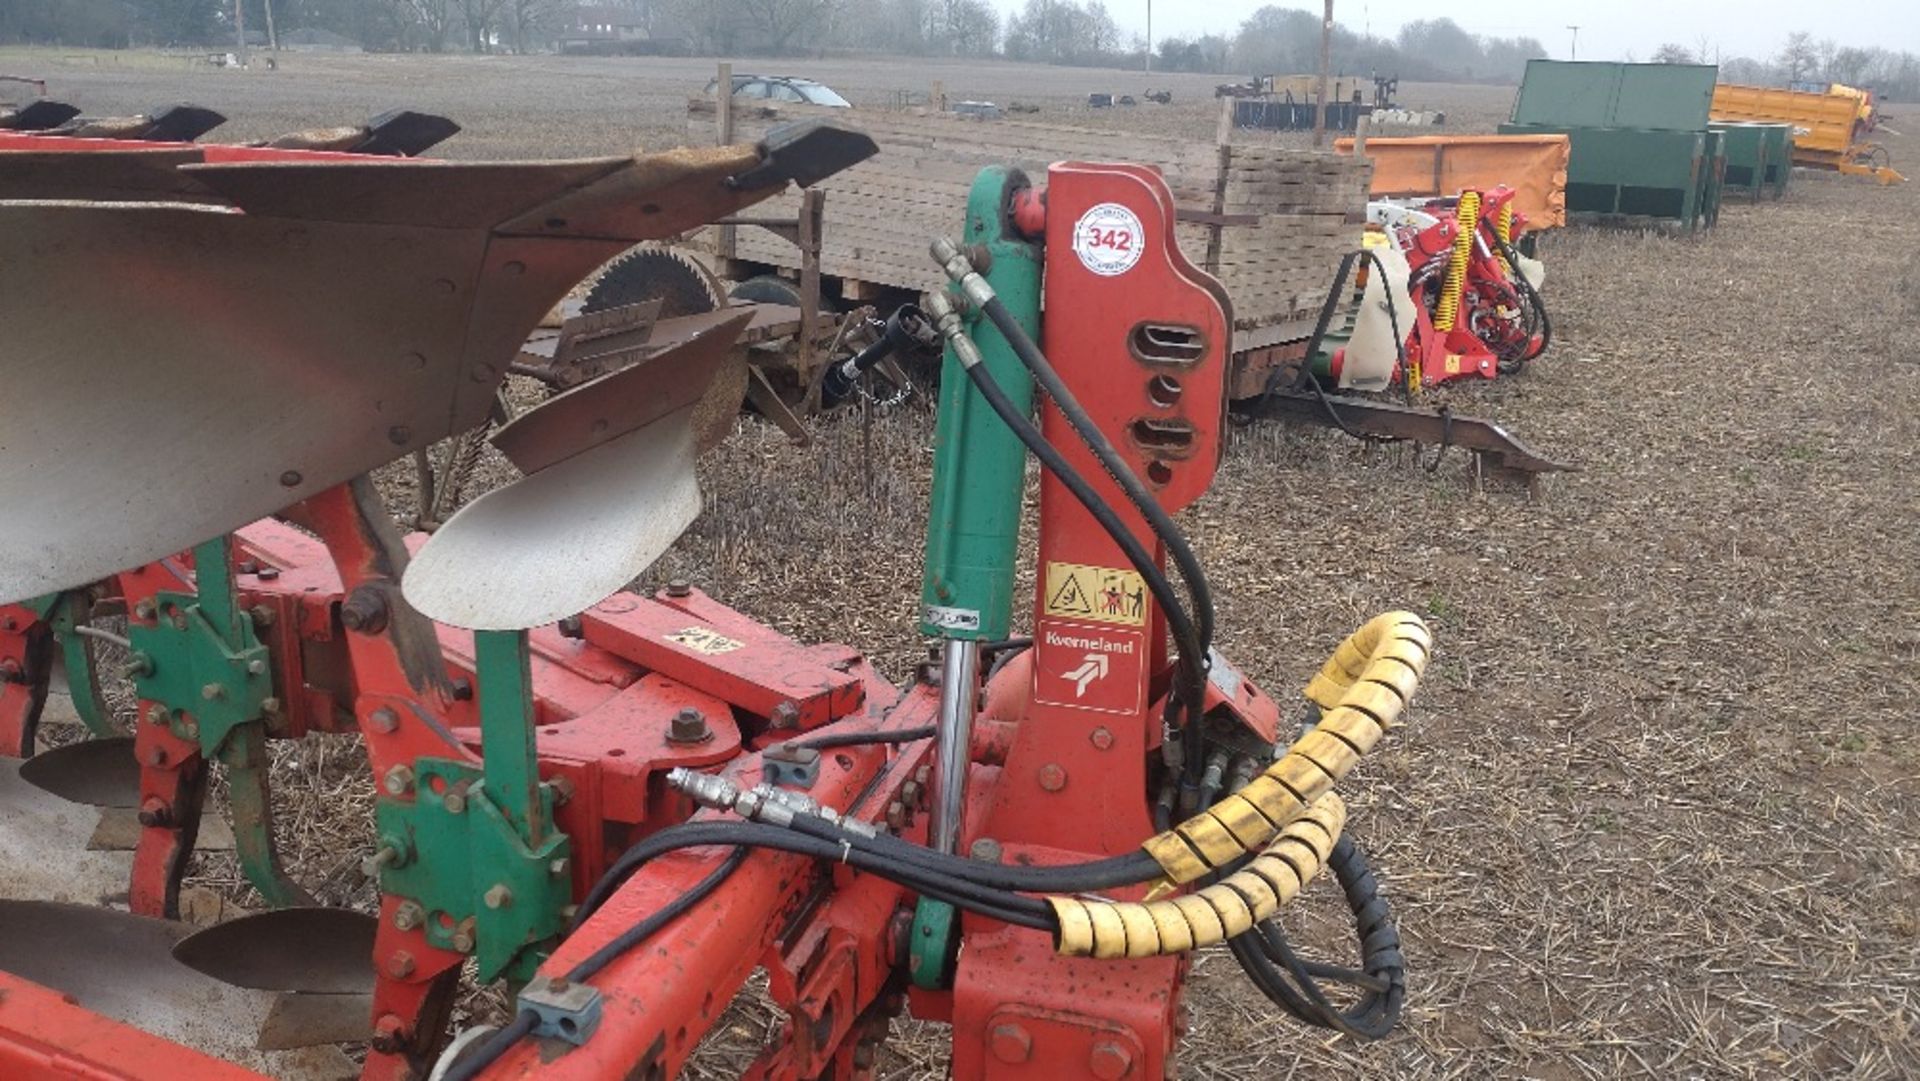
[74, 682]
[245, 756]
[296, 950]
[1502, 452]
[610, 461]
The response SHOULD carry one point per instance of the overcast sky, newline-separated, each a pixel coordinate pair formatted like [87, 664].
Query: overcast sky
[1609, 29]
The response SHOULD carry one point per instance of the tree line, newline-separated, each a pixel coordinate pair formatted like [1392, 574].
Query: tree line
[1892, 75]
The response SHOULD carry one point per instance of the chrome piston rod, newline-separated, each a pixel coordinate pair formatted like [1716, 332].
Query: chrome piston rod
[953, 741]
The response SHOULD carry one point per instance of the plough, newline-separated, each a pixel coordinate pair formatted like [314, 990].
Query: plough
[619, 803]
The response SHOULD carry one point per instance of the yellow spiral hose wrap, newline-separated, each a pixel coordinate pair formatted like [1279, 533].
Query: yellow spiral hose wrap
[1447, 309]
[1211, 914]
[1361, 690]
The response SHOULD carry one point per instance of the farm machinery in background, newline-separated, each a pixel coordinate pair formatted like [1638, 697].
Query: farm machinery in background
[622, 804]
[1425, 300]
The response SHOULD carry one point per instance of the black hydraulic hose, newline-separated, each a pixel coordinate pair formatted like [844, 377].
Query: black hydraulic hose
[862, 739]
[1195, 640]
[1531, 294]
[1269, 960]
[469, 1065]
[1103, 874]
[1143, 562]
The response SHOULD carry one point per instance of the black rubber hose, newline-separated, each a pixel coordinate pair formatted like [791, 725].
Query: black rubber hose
[488, 1052]
[1114, 871]
[1178, 620]
[862, 739]
[1199, 593]
[1295, 985]
[1532, 295]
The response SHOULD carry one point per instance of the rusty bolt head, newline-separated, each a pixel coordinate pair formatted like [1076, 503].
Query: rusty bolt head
[986, 850]
[679, 587]
[154, 812]
[383, 720]
[256, 667]
[896, 816]
[365, 610]
[498, 896]
[389, 1034]
[262, 615]
[408, 915]
[562, 790]
[398, 781]
[572, 627]
[1101, 738]
[1011, 1043]
[400, 964]
[910, 793]
[786, 715]
[1052, 777]
[143, 610]
[1109, 1061]
[138, 666]
[213, 692]
[689, 726]
[270, 706]
[463, 936]
[556, 984]
[189, 730]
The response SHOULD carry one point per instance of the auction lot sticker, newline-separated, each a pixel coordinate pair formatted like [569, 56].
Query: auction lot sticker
[1109, 239]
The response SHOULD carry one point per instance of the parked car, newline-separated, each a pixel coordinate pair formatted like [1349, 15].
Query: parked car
[784, 88]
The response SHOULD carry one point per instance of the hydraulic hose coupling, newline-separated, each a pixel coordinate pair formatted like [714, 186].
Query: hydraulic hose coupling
[1211, 914]
[946, 319]
[1361, 690]
[953, 259]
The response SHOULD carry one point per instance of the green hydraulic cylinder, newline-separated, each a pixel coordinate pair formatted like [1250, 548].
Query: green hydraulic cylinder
[979, 466]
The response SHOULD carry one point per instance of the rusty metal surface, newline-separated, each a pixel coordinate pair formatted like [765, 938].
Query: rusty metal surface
[1362, 416]
[302, 950]
[214, 367]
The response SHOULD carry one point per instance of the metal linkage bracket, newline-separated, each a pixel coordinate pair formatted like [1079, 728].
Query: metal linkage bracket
[790, 767]
[562, 1010]
[468, 879]
[209, 684]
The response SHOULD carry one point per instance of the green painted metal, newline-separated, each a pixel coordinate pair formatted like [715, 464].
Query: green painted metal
[68, 611]
[1713, 174]
[201, 659]
[979, 466]
[1747, 146]
[503, 664]
[1633, 173]
[932, 945]
[1604, 94]
[475, 883]
[245, 756]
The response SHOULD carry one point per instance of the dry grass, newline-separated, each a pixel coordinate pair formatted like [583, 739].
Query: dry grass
[1658, 810]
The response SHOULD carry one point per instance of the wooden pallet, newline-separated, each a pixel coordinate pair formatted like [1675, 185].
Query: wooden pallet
[1272, 223]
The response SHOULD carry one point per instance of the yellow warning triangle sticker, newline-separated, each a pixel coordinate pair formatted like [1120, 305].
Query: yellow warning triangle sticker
[1069, 599]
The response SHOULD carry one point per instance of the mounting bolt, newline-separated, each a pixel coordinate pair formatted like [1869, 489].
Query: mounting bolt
[679, 587]
[562, 788]
[213, 692]
[786, 715]
[262, 615]
[1101, 738]
[270, 706]
[1052, 777]
[408, 916]
[463, 936]
[365, 610]
[400, 965]
[388, 856]
[557, 868]
[268, 574]
[689, 726]
[137, 666]
[383, 720]
[144, 610]
[986, 850]
[462, 689]
[571, 627]
[155, 812]
[910, 794]
[157, 757]
[398, 781]
[1011, 1043]
[498, 896]
[455, 801]
[190, 730]
[389, 1034]
[1109, 1061]
[896, 816]
[256, 667]
[178, 619]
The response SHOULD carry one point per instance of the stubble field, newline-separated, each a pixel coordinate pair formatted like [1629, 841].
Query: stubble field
[1657, 810]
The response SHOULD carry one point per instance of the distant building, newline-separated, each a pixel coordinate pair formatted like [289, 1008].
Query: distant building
[609, 29]
[318, 41]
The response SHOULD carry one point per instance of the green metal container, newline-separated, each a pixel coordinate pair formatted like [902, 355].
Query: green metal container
[1604, 94]
[1713, 174]
[1615, 173]
[1746, 153]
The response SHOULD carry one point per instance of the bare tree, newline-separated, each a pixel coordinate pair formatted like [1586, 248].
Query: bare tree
[1797, 56]
[1671, 53]
[479, 16]
[435, 17]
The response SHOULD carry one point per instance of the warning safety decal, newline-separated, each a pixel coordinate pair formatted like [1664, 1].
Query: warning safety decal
[705, 640]
[1099, 594]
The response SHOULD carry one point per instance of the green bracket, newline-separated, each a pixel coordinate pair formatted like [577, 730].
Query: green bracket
[933, 945]
[201, 659]
[475, 884]
[474, 851]
[66, 612]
